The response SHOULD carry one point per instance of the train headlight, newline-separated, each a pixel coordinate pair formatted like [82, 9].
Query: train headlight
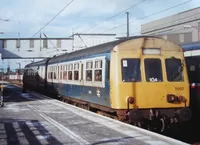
[181, 99]
[131, 100]
[175, 99]
[171, 98]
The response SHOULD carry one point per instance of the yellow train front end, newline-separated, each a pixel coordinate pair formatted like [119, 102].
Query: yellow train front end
[149, 82]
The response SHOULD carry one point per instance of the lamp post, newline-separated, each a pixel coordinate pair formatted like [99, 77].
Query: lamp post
[198, 29]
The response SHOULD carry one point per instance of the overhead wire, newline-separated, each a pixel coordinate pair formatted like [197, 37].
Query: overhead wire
[50, 21]
[132, 6]
[150, 15]
[171, 22]
[114, 16]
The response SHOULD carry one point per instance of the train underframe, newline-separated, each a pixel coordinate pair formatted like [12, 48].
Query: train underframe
[158, 120]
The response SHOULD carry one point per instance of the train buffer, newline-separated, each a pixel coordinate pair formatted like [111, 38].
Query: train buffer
[31, 118]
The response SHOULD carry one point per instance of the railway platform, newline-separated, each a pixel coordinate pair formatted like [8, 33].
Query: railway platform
[31, 118]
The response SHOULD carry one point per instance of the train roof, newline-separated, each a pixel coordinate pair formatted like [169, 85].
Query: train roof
[41, 62]
[190, 46]
[101, 48]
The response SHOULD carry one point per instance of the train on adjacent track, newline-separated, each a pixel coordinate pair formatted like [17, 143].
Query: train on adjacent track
[192, 58]
[141, 80]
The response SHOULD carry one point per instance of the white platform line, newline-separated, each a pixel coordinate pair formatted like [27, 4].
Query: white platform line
[116, 125]
[62, 128]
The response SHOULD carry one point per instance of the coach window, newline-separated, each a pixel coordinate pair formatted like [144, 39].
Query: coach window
[55, 72]
[70, 69]
[76, 71]
[98, 70]
[153, 70]
[131, 70]
[51, 75]
[89, 71]
[174, 70]
[64, 72]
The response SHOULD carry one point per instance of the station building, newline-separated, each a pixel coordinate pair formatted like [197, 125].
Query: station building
[183, 27]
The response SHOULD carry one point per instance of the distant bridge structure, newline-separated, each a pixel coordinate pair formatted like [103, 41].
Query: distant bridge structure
[39, 48]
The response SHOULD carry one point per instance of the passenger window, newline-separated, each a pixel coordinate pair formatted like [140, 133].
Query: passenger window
[98, 70]
[153, 70]
[54, 75]
[70, 69]
[89, 66]
[61, 71]
[131, 70]
[51, 75]
[98, 75]
[64, 72]
[76, 71]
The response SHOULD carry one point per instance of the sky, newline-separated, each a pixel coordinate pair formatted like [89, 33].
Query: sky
[27, 17]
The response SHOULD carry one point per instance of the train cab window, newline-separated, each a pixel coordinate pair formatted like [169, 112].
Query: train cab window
[153, 70]
[174, 70]
[131, 70]
[89, 66]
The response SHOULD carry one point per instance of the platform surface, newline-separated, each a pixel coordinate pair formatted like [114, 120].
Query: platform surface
[30, 118]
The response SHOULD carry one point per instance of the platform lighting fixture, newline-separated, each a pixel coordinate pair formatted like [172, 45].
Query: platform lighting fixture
[190, 26]
[198, 29]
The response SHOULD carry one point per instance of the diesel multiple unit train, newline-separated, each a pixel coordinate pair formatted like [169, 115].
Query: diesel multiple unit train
[141, 80]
